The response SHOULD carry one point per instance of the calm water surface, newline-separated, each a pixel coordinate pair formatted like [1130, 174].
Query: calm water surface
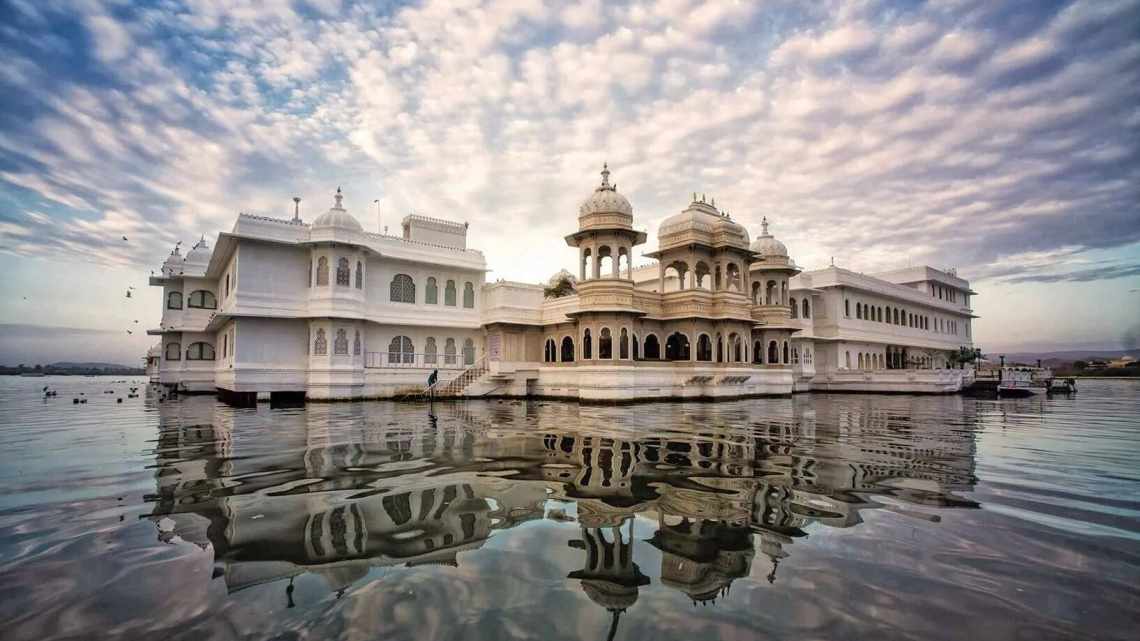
[815, 517]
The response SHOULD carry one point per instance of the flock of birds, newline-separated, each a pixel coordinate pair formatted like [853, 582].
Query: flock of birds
[131, 288]
[81, 399]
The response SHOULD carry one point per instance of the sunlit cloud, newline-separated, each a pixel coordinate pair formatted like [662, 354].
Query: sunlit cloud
[878, 133]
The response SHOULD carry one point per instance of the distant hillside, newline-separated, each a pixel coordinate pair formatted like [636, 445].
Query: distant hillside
[90, 365]
[1067, 356]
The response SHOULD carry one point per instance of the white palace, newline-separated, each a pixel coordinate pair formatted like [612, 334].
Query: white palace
[328, 310]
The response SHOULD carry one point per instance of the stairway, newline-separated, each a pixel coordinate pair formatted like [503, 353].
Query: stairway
[455, 386]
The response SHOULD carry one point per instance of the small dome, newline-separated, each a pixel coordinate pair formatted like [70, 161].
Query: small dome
[336, 216]
[701, 221]
[199, 254]
[767, 245]
[605, 199]
[173, 263]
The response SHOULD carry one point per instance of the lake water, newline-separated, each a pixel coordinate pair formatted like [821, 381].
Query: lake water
[813, 517]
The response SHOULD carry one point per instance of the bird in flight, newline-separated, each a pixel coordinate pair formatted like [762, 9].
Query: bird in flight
[128, 293]
[124, 237]
[130, 332]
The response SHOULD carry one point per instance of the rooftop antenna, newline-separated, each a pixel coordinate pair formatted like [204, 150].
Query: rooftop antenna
[296, 209]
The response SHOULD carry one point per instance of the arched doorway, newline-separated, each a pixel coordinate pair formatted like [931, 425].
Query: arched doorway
[704, 348]
[676, 347]
[652, 348]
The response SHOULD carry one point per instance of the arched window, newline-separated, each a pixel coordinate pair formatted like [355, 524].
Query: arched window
[677, 347]
[623, 345]
[430, 353]
[786, 359]
[587, 345]
[807, 309]
[757, 352]
[847, 359]
[200, 352]
[795, 356]
[174, 300]
[174, 351]
[401, 350]
[897, 316]
[321, 344]
[636, 348]
[449, 294]
[737, 348]
[860, 360]
[309, 282]
[340, 343]
[202, 299]
[322, 271]
[449, 352]
[359, 275]
[652, 348]
[468, 295]
[859, 310]
[548, 352]
[342, 272]
[431, 292]
[756, 292]
[704, 348]
[795, 308]
[773, 353]
[469, 352]
[847, 308]
[605, 344]
[567, 349]
[719, 349]
[356, 344]
[402, 289]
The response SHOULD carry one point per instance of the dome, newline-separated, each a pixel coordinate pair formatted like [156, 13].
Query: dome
[173, 263]
[701, 222]
[605, 199]
[199, 254]
[767, 245]
[336, 216]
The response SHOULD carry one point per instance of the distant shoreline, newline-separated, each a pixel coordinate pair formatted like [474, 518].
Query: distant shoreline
[41, 373]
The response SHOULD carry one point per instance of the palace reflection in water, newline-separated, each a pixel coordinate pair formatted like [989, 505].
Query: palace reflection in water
[338, 490]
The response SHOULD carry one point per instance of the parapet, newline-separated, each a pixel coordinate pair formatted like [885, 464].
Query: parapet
[435, 231]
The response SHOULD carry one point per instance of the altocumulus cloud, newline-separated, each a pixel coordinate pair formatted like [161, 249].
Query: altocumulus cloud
[1000, 137]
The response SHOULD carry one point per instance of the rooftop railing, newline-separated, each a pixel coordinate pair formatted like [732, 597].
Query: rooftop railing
[413, 360]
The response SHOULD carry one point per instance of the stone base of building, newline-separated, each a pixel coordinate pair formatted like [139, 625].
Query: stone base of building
[624, 383]
[933, 381]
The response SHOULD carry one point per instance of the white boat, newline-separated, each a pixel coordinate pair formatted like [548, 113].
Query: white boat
[1017, 381]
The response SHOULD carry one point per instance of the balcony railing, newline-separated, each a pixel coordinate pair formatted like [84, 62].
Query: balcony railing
[410, 360]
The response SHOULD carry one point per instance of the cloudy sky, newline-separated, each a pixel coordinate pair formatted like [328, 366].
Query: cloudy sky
[999, 138]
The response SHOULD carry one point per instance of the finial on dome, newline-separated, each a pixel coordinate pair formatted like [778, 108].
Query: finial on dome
[338, 197]
[764, 226]
[606, 176]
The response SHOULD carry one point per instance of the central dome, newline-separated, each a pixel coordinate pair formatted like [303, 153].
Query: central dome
[336, 216]
[605, 199]
[701, 222]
